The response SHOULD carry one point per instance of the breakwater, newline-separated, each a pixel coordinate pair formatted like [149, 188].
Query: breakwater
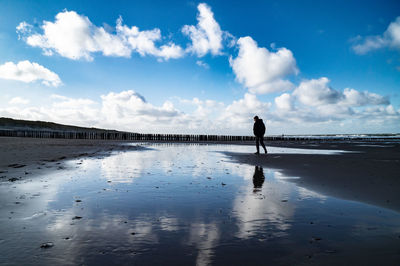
[105, 135]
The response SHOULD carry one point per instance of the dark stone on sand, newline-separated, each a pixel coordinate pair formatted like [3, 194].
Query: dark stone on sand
[47, 245]
[15, 165]
[133, 233]
[77, 218]
[13, 179]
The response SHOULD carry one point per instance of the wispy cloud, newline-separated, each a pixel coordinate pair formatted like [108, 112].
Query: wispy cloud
[390, 38]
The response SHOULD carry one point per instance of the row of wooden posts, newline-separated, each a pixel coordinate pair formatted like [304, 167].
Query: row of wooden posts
[102, 135]
[124, 136]
[120, 136]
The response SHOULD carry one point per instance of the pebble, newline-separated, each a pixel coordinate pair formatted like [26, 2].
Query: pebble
[47, 245]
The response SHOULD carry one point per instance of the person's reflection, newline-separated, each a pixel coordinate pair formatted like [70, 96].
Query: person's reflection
[258, 178]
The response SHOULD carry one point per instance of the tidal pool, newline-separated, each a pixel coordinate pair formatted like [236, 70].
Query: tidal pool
[180, 204]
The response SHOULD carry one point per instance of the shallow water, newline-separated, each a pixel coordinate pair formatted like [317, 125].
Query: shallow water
[185, 204]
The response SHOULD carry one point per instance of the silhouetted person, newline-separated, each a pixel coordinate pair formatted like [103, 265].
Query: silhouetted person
[258, 178]
[259, 131]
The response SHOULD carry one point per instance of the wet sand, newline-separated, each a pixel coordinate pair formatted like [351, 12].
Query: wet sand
[366, 171]
[323, 203]
[20, 157]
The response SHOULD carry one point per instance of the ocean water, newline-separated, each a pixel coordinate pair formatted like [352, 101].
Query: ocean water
[186, 204]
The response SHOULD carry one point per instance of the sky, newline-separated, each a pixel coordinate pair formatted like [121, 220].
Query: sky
[304, 67]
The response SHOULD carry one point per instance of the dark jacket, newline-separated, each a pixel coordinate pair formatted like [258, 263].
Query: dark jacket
[259, 128]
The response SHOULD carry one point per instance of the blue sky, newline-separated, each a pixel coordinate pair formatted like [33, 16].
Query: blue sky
[203, 67]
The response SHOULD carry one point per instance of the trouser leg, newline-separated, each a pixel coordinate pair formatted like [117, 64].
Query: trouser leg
[258, 144]
[262, 143]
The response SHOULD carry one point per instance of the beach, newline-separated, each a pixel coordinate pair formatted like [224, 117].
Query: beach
[111, 202]
[365, 171]
[29, 156]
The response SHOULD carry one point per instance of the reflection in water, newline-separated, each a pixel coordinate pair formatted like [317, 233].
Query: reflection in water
[204, 237]
[258, 178]
[176, 204]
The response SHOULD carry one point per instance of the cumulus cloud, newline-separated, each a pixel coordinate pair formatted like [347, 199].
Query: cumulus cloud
[316, 92]
[261, 70]
[314, 101]
[207, 35]
[131, 104]
[143, 42]
[284, 102]
[240, 113]
[390, 38]
[75, 37]
[129, 111]
[28, 72]
[354, 98]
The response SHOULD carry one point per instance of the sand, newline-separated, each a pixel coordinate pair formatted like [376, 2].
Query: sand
[368, 172]
[20, 157]
[141, 202]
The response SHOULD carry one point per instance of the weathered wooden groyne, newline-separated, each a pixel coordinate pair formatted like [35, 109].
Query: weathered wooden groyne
[128, 136]
[120, 136]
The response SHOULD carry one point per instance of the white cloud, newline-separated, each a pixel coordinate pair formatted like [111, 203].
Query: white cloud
[207, 35]
[239, 114]
[202, 64]
[129, 111]
[260, 70]
[316, 92]
[390, 38]
[23, 28]
[354, 98]
[75, 37]
[314, 102]
[143, 42]
[27, 72]
[284, 102]
[18, 101]
[81, 112]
